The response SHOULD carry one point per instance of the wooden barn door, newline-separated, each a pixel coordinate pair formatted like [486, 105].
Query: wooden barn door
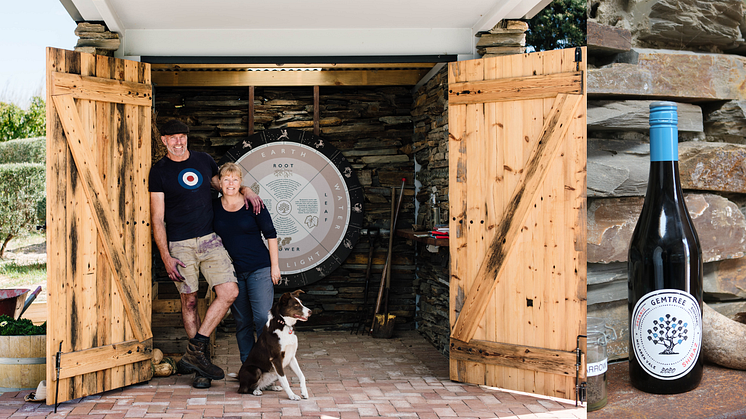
[517, 153]
[98, 223]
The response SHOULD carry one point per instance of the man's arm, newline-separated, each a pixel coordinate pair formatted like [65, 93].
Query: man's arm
[249, 196]
[157, 215]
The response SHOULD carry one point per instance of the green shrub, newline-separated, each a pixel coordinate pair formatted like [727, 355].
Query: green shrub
[18, 123]
[27, 150]
[22, 186]
[21, 327]
[41, 211]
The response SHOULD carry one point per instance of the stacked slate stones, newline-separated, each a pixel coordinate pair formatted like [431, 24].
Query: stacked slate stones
[96, 39]
[689, 53]
[506, 38]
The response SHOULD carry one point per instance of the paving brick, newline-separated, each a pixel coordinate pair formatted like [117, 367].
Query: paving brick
[444, 411]
[347, 377]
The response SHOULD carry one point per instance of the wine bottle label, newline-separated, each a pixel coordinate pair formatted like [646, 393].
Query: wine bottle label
[667, 333]
[597, 368]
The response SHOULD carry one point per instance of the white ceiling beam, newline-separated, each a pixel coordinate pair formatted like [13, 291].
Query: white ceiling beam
[109, 16]
[536, 9]
[86, 10]
[299, 42]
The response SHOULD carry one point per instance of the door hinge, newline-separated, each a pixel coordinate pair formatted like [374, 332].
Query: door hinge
[578, 58]
[579, 387]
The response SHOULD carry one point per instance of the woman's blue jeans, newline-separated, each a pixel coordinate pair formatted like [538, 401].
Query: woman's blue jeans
[251, 308]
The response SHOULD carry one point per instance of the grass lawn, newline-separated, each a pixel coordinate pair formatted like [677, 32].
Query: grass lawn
[25, 264]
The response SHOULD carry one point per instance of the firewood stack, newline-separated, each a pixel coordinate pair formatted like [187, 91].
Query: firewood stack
[96, 39]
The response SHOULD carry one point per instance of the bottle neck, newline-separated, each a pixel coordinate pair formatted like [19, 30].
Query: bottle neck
[664, 143]
[664, 160]
[663, 179]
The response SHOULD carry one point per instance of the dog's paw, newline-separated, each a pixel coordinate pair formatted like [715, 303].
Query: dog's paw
[274, 388]
[304, 394]
[257, 392]
[294, 396]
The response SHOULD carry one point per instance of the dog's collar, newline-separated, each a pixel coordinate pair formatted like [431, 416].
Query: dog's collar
[282, 322]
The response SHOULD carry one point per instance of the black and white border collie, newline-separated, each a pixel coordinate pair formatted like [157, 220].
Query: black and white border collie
[275, 350]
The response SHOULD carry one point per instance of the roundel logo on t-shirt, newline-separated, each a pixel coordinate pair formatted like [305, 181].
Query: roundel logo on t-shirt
[190, 179]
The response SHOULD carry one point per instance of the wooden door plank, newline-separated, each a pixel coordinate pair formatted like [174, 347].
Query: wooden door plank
[85, 255]
[101, 358]
[57, 244]
[549, 283]
[105, 288]
[126, 141]
[554, 130]
[522, 357]
[516, 88]
[101, 89]
[143, 158]
[488, 197]
[475, 137]
[75, 134]
[118, 314]
[457, 206]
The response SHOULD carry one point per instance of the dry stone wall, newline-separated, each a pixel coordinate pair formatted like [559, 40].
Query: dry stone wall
[432, 266]
[686, 51]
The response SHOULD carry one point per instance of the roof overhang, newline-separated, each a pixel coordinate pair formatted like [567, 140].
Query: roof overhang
[252, 28]
[356, 39]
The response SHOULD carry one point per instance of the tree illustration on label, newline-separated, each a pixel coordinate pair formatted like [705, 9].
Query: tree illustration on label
[668, 332]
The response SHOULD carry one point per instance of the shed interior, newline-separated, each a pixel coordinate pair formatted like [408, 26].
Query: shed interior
[389, 120]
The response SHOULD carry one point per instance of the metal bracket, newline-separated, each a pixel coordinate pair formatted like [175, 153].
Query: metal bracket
[580, 388]
[57, 383]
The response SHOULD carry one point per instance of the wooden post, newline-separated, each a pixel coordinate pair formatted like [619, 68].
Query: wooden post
[316, 128]
[251, 111]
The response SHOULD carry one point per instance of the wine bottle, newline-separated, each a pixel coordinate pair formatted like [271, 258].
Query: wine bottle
[665, 273]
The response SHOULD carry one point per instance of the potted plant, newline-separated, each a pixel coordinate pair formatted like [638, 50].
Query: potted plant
[22, 354]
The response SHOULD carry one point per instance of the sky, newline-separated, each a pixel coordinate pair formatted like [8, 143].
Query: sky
[27, 27]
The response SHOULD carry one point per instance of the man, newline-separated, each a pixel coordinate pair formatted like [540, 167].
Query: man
[181, 211]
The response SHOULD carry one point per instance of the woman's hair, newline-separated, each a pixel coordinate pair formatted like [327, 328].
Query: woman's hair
[230, 169]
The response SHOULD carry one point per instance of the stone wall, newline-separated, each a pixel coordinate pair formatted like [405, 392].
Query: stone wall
[687, 52]
[373, 129]
[430, 117]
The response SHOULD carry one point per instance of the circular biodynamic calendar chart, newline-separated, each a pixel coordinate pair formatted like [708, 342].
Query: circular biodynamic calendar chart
[313, 195]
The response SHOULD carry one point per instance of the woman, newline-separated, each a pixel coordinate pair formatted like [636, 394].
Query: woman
[257, 268]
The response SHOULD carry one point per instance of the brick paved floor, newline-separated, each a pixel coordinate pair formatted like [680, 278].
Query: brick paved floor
[348, 376]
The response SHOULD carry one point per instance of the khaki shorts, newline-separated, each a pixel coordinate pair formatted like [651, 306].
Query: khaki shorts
[204, 253]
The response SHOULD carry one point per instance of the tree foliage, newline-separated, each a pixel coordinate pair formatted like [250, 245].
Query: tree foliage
[18, 123]
[562, 24]
[22, 186]
[24, 150]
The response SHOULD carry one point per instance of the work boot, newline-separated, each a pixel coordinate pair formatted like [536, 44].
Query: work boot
[201, 382]
[197, 359]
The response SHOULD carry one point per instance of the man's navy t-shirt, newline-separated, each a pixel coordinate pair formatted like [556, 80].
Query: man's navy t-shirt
[186, 186]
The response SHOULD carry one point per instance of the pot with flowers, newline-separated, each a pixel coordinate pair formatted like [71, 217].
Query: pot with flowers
[23, 351]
